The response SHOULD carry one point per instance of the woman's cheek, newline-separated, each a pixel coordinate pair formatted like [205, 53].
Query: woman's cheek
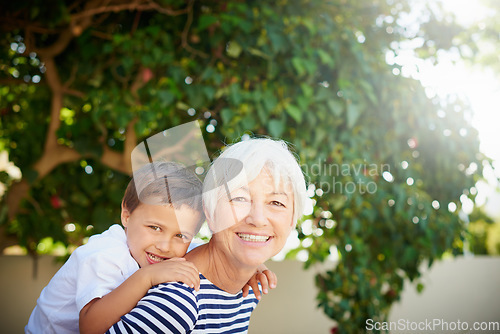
[239, 211]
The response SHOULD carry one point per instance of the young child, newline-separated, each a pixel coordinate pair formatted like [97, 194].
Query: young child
[104, 279]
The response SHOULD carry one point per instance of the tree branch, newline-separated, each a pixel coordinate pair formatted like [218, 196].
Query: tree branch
[75, 28]
[9, 23]
[73, 92]
[185, 32]
[56, 103]
[135, 5]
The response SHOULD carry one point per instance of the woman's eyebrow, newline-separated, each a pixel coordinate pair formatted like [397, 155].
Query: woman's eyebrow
[244, 188]
[279, 193]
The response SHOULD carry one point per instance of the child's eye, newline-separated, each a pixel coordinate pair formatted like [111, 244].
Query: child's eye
[155, 228]
[182, 236]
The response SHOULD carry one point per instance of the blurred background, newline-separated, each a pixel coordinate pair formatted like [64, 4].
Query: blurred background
[391, 106]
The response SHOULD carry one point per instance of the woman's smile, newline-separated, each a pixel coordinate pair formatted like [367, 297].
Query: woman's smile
[255, 238]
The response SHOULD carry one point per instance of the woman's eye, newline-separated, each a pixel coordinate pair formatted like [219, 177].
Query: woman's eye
[238, 199]
[278, 204]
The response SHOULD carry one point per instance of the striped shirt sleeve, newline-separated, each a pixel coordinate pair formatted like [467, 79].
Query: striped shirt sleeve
[166, 308]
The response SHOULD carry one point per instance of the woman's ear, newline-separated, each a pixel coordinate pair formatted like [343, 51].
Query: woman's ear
[125, 215]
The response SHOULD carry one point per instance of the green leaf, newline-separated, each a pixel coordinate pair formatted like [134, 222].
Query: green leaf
[270, 100]
[233, 49]
[258, 53]
[310, 66]
[166, 98]
[205, 21]
[196, 98]
[262, 113]
[235, 95]
[325, 57]
[303, 102]
[299, 66]
[336, 107]
[226, 115]
[248, 122]
[368, 90]
[307, 89]
[353, 113]
[209, 92]
[276, 127]
[295, 112]
[278, 42]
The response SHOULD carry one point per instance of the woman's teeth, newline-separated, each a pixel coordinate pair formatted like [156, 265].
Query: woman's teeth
[253, 237]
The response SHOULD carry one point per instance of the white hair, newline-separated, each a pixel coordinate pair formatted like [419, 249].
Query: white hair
[242, 162]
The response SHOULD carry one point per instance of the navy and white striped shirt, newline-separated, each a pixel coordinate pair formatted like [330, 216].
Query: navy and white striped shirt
[177, 308]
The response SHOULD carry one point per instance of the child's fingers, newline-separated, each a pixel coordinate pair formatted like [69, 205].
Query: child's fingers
[189, 278]
[194, 274]
[254, 284]
[262, 278]
[271, 277]
[246, 290]
[255, 288]
[185, 272]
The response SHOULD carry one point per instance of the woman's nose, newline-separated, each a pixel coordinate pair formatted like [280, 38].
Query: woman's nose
[257, 215]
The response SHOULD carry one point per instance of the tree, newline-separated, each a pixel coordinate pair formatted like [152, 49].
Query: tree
[84, 81]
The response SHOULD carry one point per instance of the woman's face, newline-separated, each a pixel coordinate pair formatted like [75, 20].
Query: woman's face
[257, 219]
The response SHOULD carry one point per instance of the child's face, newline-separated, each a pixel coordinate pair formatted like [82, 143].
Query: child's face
[154, 233]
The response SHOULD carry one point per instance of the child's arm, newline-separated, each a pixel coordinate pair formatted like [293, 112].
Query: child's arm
[101, 313]
[267, 279]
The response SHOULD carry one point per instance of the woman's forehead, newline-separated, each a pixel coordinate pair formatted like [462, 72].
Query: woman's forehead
[269, 183]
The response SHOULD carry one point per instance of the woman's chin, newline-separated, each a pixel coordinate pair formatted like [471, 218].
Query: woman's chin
[252, 258]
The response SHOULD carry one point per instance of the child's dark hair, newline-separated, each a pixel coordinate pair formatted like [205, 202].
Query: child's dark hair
[164, 183]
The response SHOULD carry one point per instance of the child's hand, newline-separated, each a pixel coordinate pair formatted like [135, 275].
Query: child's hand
[266, 278]
[173, 270]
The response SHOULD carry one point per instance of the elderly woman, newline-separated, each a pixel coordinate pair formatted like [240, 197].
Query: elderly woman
[254, 193]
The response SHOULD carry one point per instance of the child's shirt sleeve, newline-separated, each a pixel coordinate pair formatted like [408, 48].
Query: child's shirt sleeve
[102, 267]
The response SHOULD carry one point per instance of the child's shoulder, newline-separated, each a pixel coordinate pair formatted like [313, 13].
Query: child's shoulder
[113, 241]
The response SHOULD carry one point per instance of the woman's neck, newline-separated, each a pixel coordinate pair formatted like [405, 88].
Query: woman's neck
[218, 269]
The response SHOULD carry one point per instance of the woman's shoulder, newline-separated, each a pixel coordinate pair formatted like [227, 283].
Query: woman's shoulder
[174, 293]
[207, 294]
[171, 307]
